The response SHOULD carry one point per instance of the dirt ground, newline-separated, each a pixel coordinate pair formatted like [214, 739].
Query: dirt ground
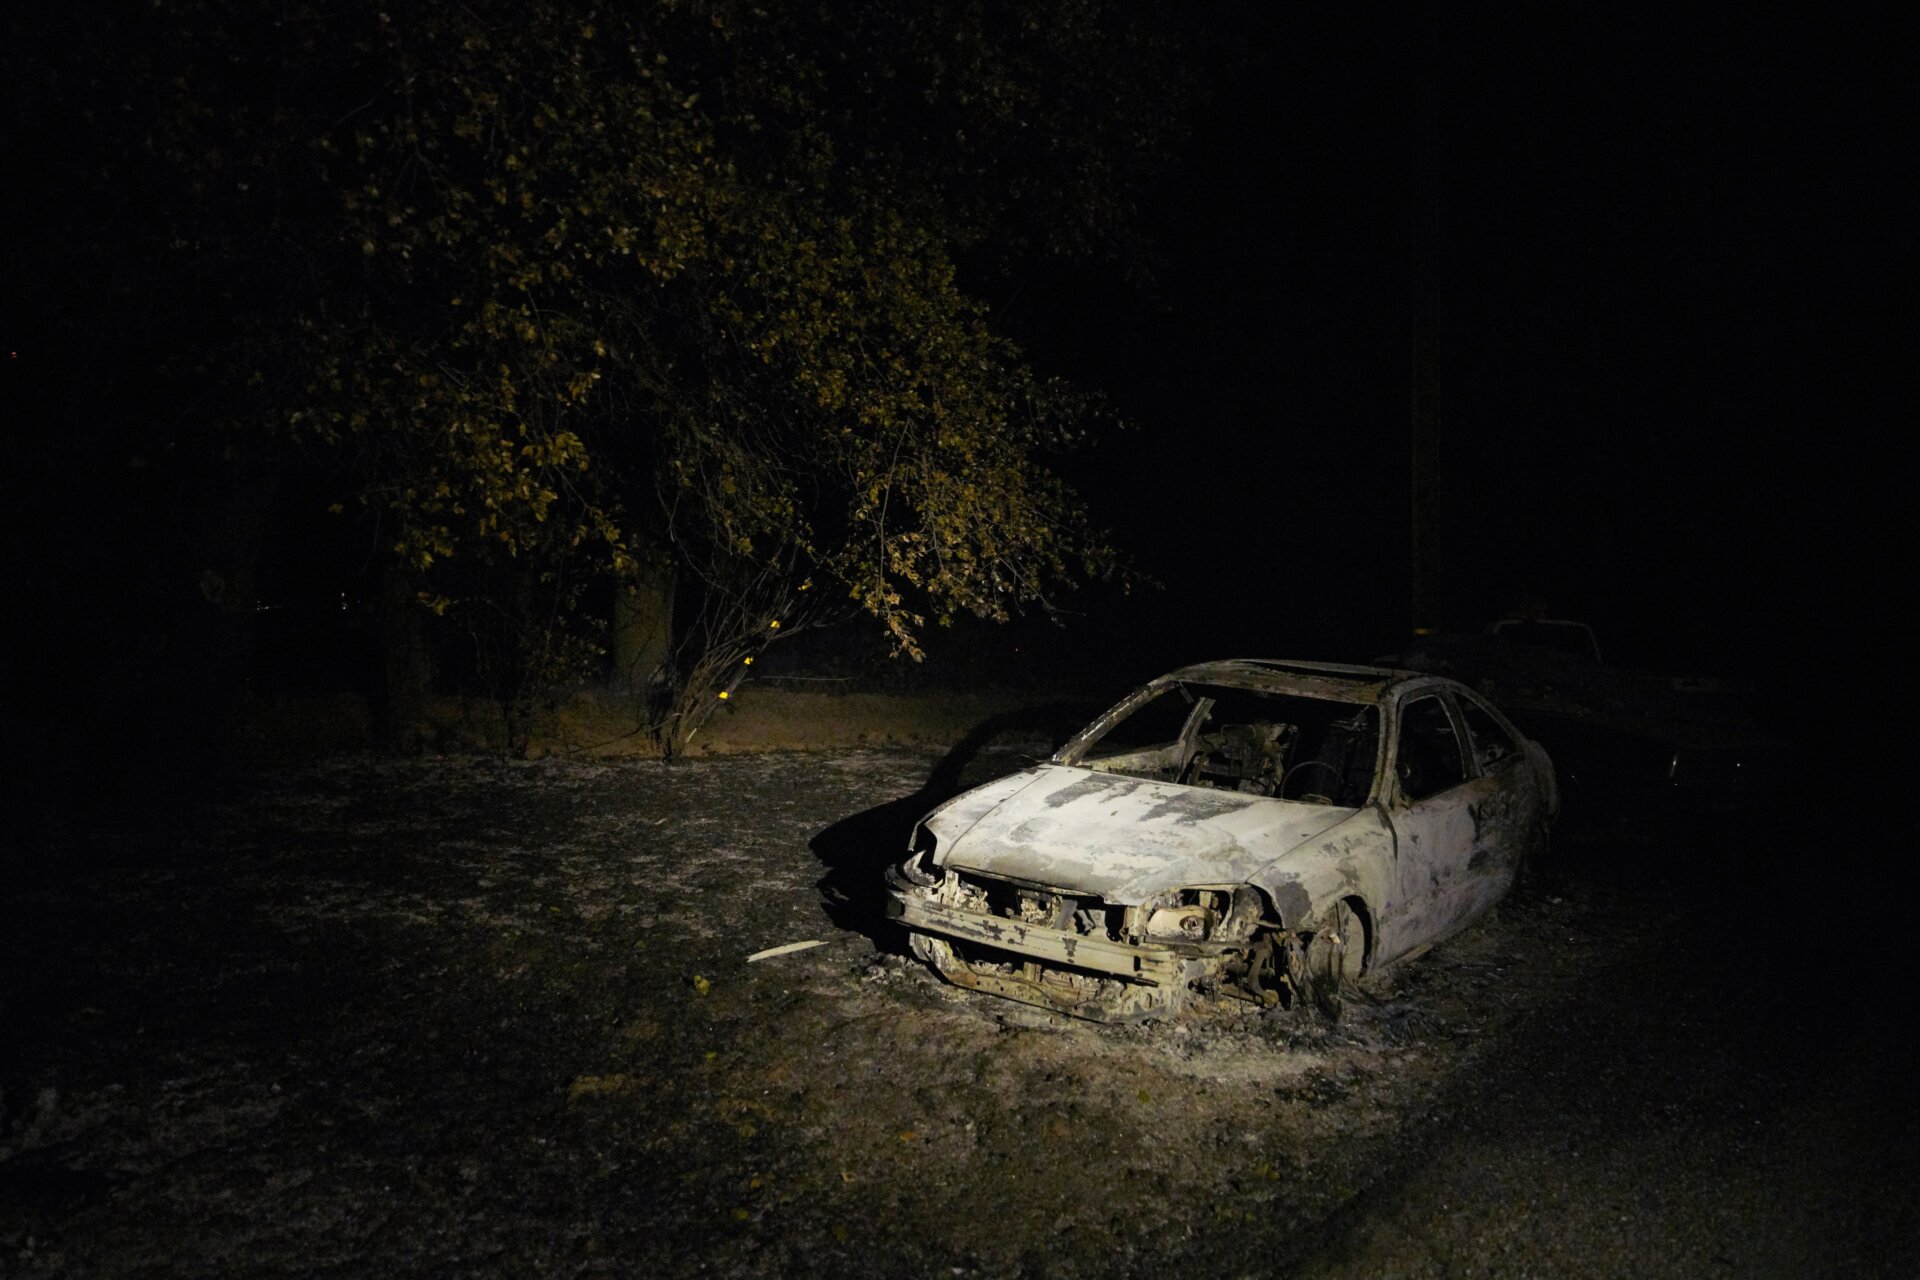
[472, 1017]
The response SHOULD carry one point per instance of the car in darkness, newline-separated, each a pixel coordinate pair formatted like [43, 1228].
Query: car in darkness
[1628, 744]
[1258, 830]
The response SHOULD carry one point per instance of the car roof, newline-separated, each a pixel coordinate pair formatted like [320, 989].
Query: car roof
[1347, 683]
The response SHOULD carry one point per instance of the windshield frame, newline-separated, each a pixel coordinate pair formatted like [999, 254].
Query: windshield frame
[1195, 687]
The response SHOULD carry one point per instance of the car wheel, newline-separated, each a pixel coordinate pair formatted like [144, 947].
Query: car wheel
[1334, 957]
[1534, 856]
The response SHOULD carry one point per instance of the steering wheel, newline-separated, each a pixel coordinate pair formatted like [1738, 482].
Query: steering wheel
[1190, 772]
[1309, 764]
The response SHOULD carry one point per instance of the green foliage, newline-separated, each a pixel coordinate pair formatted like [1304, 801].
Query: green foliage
[580, 291]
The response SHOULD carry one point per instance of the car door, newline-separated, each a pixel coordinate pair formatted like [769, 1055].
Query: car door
[1507, 809]
[1433, 813]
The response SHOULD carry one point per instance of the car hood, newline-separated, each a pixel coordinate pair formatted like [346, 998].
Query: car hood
[1124, 839]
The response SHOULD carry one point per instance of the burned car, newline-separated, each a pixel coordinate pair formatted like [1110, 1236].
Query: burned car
[1256, 830]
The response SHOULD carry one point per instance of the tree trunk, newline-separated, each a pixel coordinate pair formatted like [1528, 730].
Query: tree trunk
[643, 638]
[403, 673]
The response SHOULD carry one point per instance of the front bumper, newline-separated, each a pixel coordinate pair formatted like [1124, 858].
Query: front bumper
[1081, 975]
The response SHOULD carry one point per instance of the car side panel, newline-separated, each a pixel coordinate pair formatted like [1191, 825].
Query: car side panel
[1351, 860]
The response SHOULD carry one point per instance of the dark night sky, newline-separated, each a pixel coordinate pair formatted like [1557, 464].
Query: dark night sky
[1675, 271]
[1675, 266]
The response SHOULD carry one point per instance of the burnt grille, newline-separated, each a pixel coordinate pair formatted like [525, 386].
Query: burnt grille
[1069, 913]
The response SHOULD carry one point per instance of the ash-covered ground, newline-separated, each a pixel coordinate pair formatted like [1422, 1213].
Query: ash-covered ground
[479, 1018]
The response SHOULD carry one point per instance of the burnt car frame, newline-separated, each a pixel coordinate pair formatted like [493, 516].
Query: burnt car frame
[1260, 830]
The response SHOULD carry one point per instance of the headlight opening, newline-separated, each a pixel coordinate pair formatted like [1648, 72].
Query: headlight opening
[1185, 915]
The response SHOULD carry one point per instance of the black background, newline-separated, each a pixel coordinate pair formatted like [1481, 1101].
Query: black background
[1672, 263]
[1674, 269]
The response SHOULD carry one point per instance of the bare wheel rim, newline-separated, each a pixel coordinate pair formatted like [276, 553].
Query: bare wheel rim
[1338, 950]
[1334, 956]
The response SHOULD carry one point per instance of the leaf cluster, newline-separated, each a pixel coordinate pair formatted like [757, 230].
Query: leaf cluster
[585, 289]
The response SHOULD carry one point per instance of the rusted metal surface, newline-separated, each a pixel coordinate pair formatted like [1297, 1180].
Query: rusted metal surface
[1121, 883]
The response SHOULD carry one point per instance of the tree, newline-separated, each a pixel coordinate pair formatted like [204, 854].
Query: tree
[571, 295]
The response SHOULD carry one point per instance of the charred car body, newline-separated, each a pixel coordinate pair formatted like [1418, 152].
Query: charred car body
[1254, 829]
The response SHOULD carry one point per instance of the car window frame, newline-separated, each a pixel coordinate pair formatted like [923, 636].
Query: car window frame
[1469, 768]
[1074, 752]
[1460, 698]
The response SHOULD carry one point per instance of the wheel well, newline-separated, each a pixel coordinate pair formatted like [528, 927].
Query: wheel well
[1294, 914]
[1359, 909]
